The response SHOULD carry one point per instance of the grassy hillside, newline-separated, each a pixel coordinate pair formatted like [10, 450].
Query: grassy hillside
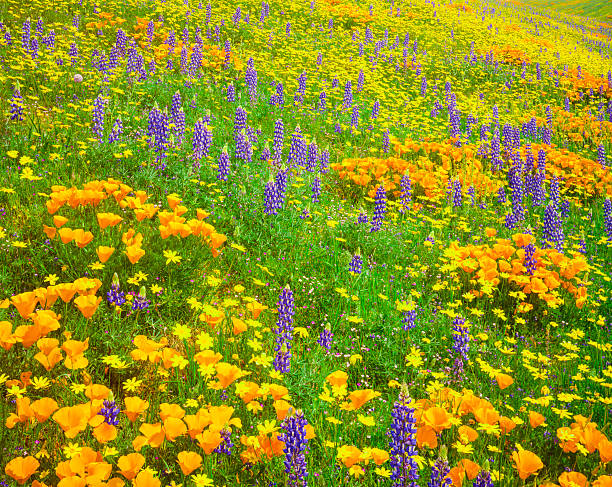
[289, 243]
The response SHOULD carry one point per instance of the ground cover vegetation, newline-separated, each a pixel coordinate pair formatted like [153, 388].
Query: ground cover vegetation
[321, 242]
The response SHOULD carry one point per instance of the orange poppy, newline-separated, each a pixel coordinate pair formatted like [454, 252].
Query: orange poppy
[358, 398]
[108, 219]
[148, 349]
[437, 418]
[21, 469]
[527, 463]
[66, 291]
[44, 408]
[226, 374]
[104, 253]
[426, 436]
[25, 303]
[535, 419]
[105, 432]
[173, 428]
[49, 231]
[130, 465]
[337, 378]
[188, 461]
[572, 479]
[239, 325]
[349, 455]
[88, 304]
[134, 253]
[209, 440]
[282, 408]
[504, 380]
[146, 479]
[506, 424]
[456, 476]
[72, 419]
[59, 221]
[470, 434]
[66, 235]
[471, 468]
[603, 481]
[82, 238]
[167, 410]
[247, 391]
[134, 407]
[256, 308]
[605, 449]
[152, 435]
[75, 354]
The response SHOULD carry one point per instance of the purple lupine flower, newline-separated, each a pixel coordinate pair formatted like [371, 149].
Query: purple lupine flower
[179, 127]
[296, 447]
[313, 156]
[601, 156]
[461, 344]
[240, 120]
[284, 330]
[231, 93]
[356, 263]
[250, 78]
[322, 101]
[140, 300]
[402, 442]
[202, 139]
[244, 149]
[16, 105]
[471, 193]
[115, 296]
[196, 60]
[237, 16]
[362, 218]
[386, 141]
[565, 208]
[26, 33]
[347, 101]
[424, 86]
[554, 193]
[98, 117]
[110, 410]
[159, 131]
[355, 117]
[457, 195]
[516, 188]
[316, 189]
[279, 137]
[223, 169]
[297, 151]
[225, 447]
[380, 208]
[553, 228]
[150, 31]
[496, 161]
[265, 153]
[530, 262]
[607, 208]
[227, 48]
[116, 131]
[280, 182]
[360, 80]
[439, 471]
[184, 57]
[271, 198]
[319, 59]
[483, 479]
[406, 185]
[375, 110]
[324, 161]
[325, 337]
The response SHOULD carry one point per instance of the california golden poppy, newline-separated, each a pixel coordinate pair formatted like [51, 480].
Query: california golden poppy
[527, 463]
[21, 469]
[188, 461]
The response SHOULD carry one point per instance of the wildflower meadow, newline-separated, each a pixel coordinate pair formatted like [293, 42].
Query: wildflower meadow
[305, 243]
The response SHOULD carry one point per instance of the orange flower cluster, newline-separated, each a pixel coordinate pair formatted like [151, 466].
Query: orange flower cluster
[584, 432]
[506, 261]
[346, 12]
[94, 192]
[583, 82]
[576, 171]
[510, 55]
[425, 173]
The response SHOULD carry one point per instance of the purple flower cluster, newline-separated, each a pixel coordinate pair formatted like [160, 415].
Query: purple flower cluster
[402, 442]
[380, 208]
[110, 411]
[284, 331]
[553, 228]
[607, 207]
[294, 437]
[115, 296]
[461, 344]
[325, 337]
[356, 264]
